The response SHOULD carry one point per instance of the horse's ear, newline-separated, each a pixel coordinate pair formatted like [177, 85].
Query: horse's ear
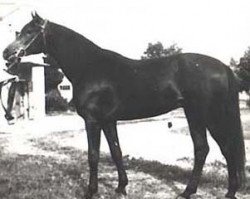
[37, 19]
[17, 34]
[37, 16]
[33, 15]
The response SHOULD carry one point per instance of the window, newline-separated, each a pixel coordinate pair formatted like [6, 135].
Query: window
[65, 87]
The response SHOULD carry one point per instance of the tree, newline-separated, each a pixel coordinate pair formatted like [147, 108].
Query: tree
[242, 70]
[233, 63]
[53, 77]
[157, 50]
[247, 53]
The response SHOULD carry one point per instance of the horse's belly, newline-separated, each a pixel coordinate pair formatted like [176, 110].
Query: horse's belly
[142, 109]
[150, 102]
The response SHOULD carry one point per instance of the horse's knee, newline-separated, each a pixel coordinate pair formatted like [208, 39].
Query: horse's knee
[201, 152]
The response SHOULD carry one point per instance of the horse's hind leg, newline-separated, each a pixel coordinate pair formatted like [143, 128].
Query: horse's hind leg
[225, 134]
[201, 148]
[222, 142]
[110, 132]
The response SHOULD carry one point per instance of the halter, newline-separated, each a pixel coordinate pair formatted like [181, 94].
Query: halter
[42, 31]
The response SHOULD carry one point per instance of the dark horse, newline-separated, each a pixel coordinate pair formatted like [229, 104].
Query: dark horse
[108, 87]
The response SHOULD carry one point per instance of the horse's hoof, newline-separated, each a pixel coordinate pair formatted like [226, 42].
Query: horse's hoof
[89, 194]
[121, 190]
[9, 117]
[231, 196]
[183, 195]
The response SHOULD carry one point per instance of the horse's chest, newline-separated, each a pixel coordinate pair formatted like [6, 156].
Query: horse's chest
[98, 101]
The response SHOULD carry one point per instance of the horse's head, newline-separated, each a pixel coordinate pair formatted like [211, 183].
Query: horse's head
[31, 40]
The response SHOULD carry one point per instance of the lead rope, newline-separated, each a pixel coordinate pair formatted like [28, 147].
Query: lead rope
[4, 108]
[8, 116]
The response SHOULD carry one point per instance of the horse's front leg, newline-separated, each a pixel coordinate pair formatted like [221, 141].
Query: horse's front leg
[110, 132]
[93, 133]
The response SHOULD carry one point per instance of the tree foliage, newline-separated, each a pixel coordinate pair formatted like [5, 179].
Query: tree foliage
[233, 63]
[53, 77]
[157, 50]
[242, 70]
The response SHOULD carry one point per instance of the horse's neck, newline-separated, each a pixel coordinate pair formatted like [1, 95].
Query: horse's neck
[72, 51]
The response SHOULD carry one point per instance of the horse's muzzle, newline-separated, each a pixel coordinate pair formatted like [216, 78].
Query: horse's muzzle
[13, 57]
[7, 54]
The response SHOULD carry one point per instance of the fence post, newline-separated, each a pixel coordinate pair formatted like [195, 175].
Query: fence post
[37, 101]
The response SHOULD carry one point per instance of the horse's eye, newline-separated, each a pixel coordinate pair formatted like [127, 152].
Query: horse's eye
[17, 33]
[29, 32]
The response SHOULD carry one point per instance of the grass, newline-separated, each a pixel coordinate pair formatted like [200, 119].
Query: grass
[35, 177]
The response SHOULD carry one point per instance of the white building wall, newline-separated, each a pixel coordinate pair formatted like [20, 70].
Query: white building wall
[65, 89]
[37, 96]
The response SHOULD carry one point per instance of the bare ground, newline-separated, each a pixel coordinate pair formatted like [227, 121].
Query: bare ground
[52, 164]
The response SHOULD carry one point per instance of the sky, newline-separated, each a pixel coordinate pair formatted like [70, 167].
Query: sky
[218, 28]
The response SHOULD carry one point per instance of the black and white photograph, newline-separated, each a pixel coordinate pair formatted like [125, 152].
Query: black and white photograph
[124, 99]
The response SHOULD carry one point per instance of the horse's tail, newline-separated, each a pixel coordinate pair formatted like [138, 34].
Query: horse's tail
[237, 146]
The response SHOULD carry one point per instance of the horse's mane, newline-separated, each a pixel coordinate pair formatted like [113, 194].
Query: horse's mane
[83, 41]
